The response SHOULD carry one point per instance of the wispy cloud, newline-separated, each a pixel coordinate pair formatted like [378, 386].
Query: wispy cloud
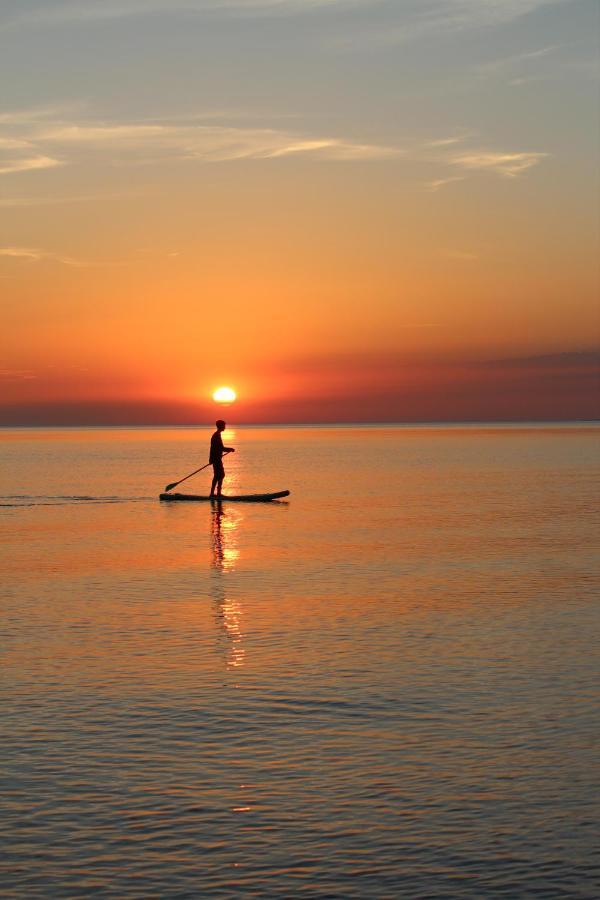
[155, 142]
[17, 374]
[19, 202]
[448, 141]
[391, 22]
[438, 183]
[34, 254]
[8, 143]
[81, 12]
[477, 13]
[210, 143]
[27, 164]
[443, 152]
[48, 142]
[515, 59]
[508, 164]
[32, 115]
[414, 20]
[522, 68]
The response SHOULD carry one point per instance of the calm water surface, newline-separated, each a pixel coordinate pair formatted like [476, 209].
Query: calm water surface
[384, 687]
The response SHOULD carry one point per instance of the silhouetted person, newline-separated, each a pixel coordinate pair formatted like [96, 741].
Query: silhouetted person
[216, 453]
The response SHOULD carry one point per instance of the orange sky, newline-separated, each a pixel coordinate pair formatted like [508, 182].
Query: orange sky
[387, 257]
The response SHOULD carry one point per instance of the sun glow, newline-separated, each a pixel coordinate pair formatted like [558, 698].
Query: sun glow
[224, 395]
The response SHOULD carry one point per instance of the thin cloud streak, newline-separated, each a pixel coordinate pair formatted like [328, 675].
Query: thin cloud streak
[208, 143]
[414, 20]
[32, 115]
[438, 183]
[19, 202]
[162, 142]
[17, 374]
[508, 62]
[28, 164]
[416, 16]
[7, 143]
[507, 164]
[448, 141]
[82, 12]
[34, 254]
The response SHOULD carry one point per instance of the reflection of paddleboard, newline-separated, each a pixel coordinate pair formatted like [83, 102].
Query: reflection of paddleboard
[243, 498]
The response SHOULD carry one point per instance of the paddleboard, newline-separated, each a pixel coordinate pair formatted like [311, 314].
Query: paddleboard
[239, 498]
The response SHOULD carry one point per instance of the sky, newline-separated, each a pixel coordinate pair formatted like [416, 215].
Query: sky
[347, 210]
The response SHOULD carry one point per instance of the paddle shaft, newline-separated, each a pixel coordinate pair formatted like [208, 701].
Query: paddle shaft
[170, 487]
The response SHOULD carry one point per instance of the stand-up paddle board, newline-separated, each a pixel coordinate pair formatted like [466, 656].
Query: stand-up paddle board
[239, 498]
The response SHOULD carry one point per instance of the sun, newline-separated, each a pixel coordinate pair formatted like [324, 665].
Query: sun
[224, 395]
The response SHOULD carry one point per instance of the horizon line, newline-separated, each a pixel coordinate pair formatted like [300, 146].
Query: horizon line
[312, 424]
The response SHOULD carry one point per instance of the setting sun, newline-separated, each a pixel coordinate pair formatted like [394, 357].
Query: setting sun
[224, 395]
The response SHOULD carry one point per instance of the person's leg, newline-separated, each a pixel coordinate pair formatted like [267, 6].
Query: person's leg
[215, 481]
[219, 476]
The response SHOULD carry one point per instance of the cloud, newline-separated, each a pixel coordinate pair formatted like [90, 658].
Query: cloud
[516, 59]
[48, 142]
[144, 142]
[27, 164]
[476, 13]
[104, 134]
[390, 22]
[8, 143]
[566, 360]
[403, 21]
[17, 374]
[81, 12]
[507, 164]
[19, 150]
[35, 114]
[437, 183]
[45, 137]
[442, 151]
[448, 141]
[18, 202]
[33, 254]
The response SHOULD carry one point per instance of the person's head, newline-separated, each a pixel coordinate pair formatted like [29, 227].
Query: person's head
[220, 425]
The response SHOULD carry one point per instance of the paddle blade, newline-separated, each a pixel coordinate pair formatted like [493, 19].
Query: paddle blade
[170, 487]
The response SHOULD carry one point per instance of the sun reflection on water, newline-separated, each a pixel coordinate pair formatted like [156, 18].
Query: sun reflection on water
[232, 622]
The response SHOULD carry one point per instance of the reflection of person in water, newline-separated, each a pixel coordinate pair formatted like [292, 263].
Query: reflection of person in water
[217, 536]
[216, 458]
[228, 612]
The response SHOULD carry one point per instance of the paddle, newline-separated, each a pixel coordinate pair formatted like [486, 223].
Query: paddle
[170, 487]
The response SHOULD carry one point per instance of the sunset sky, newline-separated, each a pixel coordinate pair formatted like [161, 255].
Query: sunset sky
[347, 210]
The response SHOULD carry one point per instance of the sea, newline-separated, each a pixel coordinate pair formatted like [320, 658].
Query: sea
[384, 686]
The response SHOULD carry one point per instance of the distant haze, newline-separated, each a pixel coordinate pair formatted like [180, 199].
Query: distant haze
[377, 210]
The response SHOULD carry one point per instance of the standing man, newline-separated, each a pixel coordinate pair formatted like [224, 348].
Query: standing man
[216, 452]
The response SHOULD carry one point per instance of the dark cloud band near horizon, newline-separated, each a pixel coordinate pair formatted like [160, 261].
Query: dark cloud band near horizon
[557, 387]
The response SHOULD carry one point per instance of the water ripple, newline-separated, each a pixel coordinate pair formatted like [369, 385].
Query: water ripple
[386, 689]
[22, 500]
